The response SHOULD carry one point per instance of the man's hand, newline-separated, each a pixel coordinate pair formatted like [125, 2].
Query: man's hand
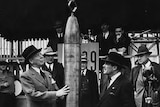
[63, 91]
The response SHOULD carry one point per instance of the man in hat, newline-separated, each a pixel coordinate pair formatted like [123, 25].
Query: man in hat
[89, 95]
[57, 37]
[118, 91]
[145, 77]
[56, 69]
[38, 85]
[7, 87]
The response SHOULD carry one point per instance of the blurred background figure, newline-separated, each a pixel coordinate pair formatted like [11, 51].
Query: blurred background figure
[56, 69]
[60, 31]
[105, 39]
[88, 85]
[58, 35]
[121, 42]
[7, 87]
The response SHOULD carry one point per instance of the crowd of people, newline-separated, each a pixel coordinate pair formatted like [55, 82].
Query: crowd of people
[121, 85]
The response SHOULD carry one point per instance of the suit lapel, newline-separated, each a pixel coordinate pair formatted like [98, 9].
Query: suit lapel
[37, 76]
[135, 74]
[104, 88]
[113, 86]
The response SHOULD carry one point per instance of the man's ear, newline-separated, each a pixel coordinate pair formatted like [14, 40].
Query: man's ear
[30, 61]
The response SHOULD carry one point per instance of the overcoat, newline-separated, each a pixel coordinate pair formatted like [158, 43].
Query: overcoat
[119, 94]
[39, 91]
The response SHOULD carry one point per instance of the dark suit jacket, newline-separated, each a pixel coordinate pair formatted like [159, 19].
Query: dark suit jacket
[124, 41]
[37, 89]
[90, 99]
[105, 44]
[57, 73]
[119, 94]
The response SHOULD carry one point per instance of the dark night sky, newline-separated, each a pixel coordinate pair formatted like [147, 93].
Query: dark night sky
[37, 17]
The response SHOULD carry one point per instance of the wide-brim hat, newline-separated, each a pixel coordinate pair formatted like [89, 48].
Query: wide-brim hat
[142, 50]
[29, 52]
[83, 58]
[49, 52]
[114, 58]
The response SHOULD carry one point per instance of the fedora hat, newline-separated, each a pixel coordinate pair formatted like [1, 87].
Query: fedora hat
[114, 58]
[49, 52]
[143, 50]
[29, 52]
[83, 58]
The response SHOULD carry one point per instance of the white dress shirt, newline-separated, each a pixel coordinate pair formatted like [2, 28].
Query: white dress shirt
[84, 71]
[113, 78]
[37, 70]
[51, 66]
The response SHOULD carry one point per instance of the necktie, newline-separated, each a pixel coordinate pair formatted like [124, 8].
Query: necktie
[109, 80]
[50, 67]
[82, 73]
[42, 74]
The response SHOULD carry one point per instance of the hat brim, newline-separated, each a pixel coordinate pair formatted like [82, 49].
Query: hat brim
[50, 54]
[31, 54]
[84, 60]
[143, 53]
[113, 62]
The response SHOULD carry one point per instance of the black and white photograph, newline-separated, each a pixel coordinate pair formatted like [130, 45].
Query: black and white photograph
[79, 53]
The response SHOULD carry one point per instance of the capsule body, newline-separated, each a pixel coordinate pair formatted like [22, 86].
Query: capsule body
[72, 60]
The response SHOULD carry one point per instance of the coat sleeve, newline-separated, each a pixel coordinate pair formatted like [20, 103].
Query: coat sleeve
[31, 92]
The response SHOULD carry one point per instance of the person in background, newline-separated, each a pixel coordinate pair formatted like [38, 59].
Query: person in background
[89, 94]
[60, 31]
[105, 40]
[57, 37]
[145, 77]
[56, 69]
[121, 42]
[38, 85]
[7, 87]
[118, 90]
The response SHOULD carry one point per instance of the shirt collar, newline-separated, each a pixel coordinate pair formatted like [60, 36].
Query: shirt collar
[114, 77]
[148, 64]
[36, 69]
[84, 71]
[51, 65]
